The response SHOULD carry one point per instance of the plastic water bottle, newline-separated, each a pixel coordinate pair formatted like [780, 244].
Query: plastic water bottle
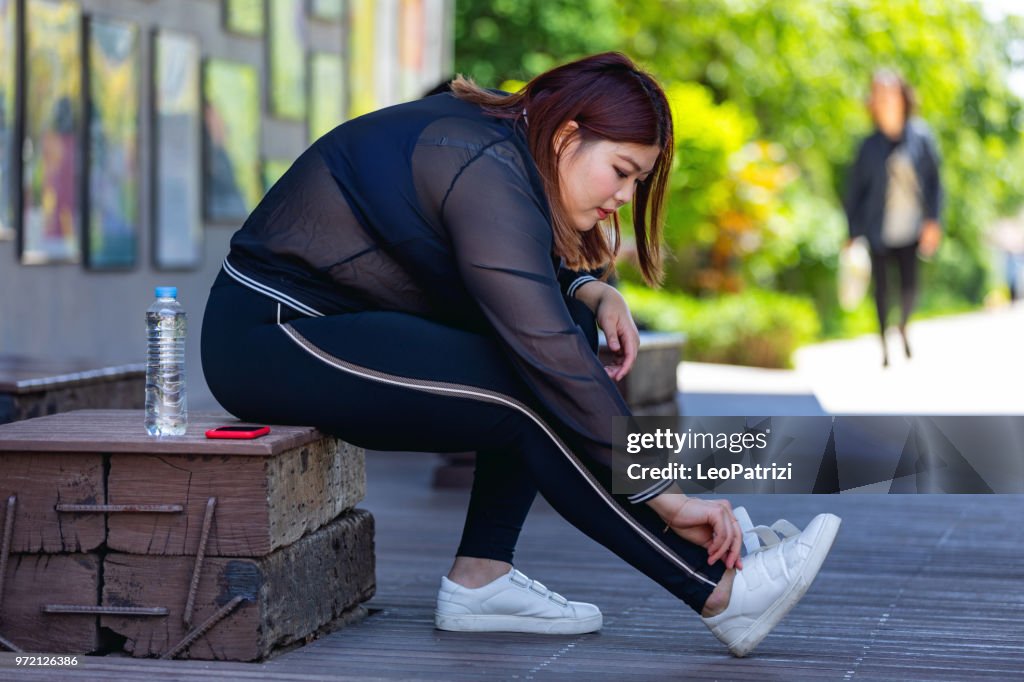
[166, 409]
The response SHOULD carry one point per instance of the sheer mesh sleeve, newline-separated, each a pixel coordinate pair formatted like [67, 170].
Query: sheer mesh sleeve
[502, 243]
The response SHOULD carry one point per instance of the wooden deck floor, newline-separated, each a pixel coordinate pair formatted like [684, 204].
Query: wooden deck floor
[916, 588]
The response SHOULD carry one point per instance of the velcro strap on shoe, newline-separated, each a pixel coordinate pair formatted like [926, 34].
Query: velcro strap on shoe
[766, 535]
[785, 528]
[518, 578]
[751, 540]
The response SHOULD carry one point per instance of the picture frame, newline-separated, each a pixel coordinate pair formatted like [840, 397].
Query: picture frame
[9, 140]
[244, 17]
[51, 215]
[231, 140]
[411, 48]
[326, 93]
[362, 84]
[111, 202]
[177, 125]
[287, 78]
[327, 10]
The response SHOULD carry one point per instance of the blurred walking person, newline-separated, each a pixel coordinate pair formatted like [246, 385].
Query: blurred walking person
[894, 196]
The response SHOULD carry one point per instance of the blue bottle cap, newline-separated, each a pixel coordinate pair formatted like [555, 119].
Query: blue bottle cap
[167, 292]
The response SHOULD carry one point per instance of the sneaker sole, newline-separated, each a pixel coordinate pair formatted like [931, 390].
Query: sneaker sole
[822, 544]
[498, 623]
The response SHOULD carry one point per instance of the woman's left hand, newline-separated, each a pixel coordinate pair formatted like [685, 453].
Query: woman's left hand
[931, 236]
[615, 320]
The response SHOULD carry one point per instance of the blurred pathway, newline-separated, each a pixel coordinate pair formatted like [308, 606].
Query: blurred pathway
[962, 364]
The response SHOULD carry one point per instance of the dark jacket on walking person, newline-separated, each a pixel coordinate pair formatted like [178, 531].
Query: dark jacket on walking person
[870, 180]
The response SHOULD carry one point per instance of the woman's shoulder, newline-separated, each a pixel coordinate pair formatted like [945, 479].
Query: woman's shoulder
[920, 128]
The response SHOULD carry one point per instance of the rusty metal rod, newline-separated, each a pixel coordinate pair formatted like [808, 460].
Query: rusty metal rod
[11, 645]
[198, 632]
[193, 587]
[106, 610]
[5, 546]
[114, 508]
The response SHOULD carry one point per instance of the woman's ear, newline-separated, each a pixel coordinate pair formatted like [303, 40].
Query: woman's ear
[564, 135]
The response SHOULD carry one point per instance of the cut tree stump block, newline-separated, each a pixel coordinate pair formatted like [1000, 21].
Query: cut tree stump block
[652, 380]
[270, 491]
[35, 580]
[38, 485]
[262, 533]
[262, 503]
[30, 387]
[286, 595]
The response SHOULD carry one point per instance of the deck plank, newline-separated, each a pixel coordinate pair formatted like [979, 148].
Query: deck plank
[916, 588]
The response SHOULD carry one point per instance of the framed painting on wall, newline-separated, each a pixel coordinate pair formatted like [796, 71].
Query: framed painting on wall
[362, 97]
[51, 158]
[231, 134]
[8, 102]
[326, 93]
[177, 151]
[244, 17]
[326, 10]
[286, 54]
[411, 35]
[112, 202]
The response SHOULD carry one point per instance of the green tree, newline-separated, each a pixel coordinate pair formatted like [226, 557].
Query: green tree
[768, 99]
[500, 40]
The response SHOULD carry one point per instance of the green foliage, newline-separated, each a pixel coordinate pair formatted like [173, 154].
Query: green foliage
[499, 40]
[757, 328]
[768, 102]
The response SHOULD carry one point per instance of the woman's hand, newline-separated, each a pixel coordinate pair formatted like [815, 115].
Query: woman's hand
[931, 237]
[613, 317]
[707, 523]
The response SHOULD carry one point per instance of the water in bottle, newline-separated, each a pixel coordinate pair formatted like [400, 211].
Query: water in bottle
[166, 409]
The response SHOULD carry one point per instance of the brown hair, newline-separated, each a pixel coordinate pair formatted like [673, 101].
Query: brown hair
[610, 99]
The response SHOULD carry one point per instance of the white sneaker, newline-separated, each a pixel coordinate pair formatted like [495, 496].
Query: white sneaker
[512, 603]
[773, 579]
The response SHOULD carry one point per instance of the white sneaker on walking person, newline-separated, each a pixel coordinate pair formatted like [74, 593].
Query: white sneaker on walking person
[512, 603]
[773, 578]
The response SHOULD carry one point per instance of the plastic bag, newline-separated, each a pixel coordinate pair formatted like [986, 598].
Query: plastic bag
[854, 273]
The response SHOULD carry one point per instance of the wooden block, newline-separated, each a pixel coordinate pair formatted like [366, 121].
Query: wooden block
[289, 594]
[669, 408]
[119, 393]
[39, 484]
[34, 580]
[653, 377]
[109, 431]
[31, 387]
[263, 503]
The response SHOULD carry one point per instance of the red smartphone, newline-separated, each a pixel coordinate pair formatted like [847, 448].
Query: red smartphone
[238, 432]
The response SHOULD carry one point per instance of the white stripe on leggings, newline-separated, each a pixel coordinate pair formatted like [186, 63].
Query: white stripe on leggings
[490, 396]
[267, 291]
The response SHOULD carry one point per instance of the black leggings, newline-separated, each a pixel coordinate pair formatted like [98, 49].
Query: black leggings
[392, 381]
[905, 258]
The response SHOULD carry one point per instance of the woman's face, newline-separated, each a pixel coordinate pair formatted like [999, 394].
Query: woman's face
[887, 107]
[599, 176]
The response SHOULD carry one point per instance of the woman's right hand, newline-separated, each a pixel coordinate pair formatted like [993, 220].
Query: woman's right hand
[707, 523]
